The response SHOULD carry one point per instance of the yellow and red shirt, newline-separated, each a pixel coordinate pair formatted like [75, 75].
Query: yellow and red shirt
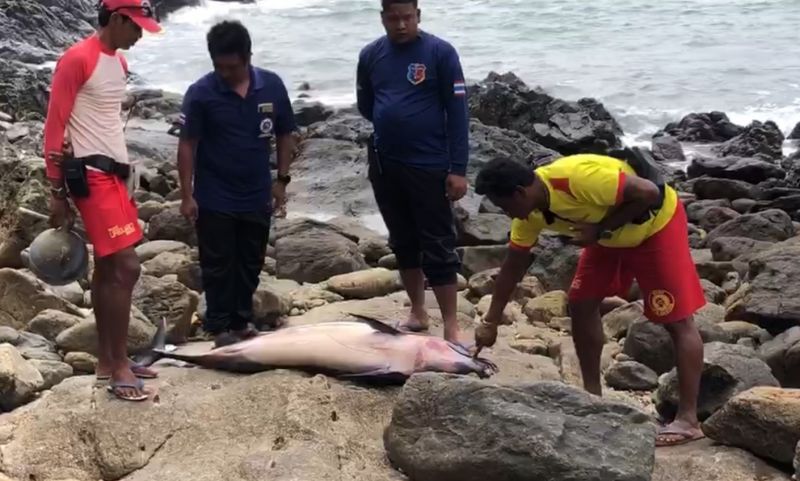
[584, 188]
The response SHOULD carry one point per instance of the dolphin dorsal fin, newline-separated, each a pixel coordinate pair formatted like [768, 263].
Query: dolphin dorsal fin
[376, 324]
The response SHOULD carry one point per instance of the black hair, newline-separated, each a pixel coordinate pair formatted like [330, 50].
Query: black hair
[387, 3]
[229, 37]
[103, 15]
[501, 177]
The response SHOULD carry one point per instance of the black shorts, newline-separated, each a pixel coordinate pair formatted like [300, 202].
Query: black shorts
[419, 216]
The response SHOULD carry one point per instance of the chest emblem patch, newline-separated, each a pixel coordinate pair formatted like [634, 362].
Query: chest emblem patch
[416, 73]
[265, 127]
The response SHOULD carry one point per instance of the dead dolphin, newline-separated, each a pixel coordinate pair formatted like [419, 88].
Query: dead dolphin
[365, 349]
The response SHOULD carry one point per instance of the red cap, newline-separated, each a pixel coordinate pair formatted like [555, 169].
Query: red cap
[141, 12]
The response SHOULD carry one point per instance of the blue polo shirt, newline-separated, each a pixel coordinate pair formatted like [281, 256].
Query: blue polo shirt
[232, 168]
[416, 98]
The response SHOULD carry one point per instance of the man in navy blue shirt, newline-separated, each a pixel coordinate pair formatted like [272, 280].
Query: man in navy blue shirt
[228, 119]
[410, 85]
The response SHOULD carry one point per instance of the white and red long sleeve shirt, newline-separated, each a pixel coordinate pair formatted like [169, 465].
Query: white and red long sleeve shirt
[86, 96]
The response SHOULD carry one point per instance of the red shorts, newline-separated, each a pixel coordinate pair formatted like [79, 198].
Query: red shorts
[662, 265]
[109, 214]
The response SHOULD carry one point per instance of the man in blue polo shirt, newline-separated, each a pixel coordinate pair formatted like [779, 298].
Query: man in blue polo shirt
[228, 119]
[411, 87]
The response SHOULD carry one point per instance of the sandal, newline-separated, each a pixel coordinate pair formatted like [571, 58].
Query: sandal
[138, 370]
[113, 387]
[675, 437]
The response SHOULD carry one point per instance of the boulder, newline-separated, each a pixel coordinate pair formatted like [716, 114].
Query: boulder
[166, 263]
[709, 315]
[169, 224]
[769, 299]
[24, 297]
[191, 275]
[770, 225]
[743, 206]
[716, 216]
[50, 323]
[148, 210]
[728, 369]
[762, 140]
[53, 372]
[484, 229]
[705, 460]
[567, 127]
[544, 308]
[795, 133]
[729, 248]
[366, 284]
[481, 258]
[19, 379]
[149, 250]
[554, 262]
[23, 88]
[512, 313]
[373, 249]
[740, 329]
[703, 127]
[632, 376]
[696, 209]
[617, 322]
[310, 251]
[429, 419]
[9, 335]
[763, 420]
[780, 354]
[161, 298]
[307, 113]
[730, 189]
[81, 362]
[489, 142]
[667, 148]
[528, 288]
[482, 283]
[82, 337]
[34, 346]
[714, 294]
[747, 169]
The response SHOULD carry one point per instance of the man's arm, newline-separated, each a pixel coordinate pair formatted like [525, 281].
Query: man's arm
[638, 195]
[191, 124]
[68, 77]
[514, 267]
[364, 94]
[186, 150]
[454, 94]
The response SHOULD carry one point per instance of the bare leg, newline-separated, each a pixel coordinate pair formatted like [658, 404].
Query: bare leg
[414, 283]
[689, 356]
[447, 297]
[114, 279]
[587, 334]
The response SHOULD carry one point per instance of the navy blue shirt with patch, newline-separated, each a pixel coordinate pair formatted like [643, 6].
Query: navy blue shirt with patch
[414, 95]
[232, 167]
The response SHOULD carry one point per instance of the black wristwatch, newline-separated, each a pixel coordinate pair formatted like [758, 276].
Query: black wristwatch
[285, 179]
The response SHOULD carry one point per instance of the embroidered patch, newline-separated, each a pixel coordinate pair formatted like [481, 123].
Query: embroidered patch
[459, 88]
[661, 302]
[416, 73]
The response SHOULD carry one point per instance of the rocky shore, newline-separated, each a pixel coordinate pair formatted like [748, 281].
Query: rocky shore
[530, 421]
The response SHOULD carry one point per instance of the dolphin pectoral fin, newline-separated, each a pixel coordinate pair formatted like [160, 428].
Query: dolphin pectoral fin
[376, 324]
[382, 375]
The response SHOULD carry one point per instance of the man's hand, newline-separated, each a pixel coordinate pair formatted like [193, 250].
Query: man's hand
[456, 187]
[61, 213]
[485, 336]
[279, 195]
[586, 234]
[189, 209]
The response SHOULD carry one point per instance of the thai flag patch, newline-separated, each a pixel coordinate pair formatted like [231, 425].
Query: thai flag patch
[459, 88]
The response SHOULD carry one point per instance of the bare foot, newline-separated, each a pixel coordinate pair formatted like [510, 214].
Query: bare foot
[144, 372]
[678, 432]
[417, 321]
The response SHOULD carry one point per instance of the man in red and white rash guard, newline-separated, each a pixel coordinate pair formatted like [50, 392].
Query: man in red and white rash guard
[84, 118]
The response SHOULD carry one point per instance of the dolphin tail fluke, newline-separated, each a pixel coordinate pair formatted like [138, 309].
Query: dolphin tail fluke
[154, 352]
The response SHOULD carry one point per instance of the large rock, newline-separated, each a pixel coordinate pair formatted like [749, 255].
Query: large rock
[770, 225]
[554, 262]
[567, 127]
[481, 258]
[711, 188]
[19, 379]
[667, 148]
[631, 375]
[166, 263]
[763, 140]
[169, 224]
[544, 308]
[728, 369]
[771, 298]
[617, 322]
[696, 209]
[50, 323]
[82, 337]
[484, 229]
[729, 248]
[747, 169]
[763, 420]
[34, 346]
[780, 353]
[23, 88]
[311, 251]
[53, 372]
[314, 429]
[366, 284]
[160, 298]
[489, 142]
[149, 250]
[704, 127]
[23, 297]
[272, 299]
[485, 432]
[705, 460]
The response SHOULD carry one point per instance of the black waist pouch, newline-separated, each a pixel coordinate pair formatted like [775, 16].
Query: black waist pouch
[75, 177]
